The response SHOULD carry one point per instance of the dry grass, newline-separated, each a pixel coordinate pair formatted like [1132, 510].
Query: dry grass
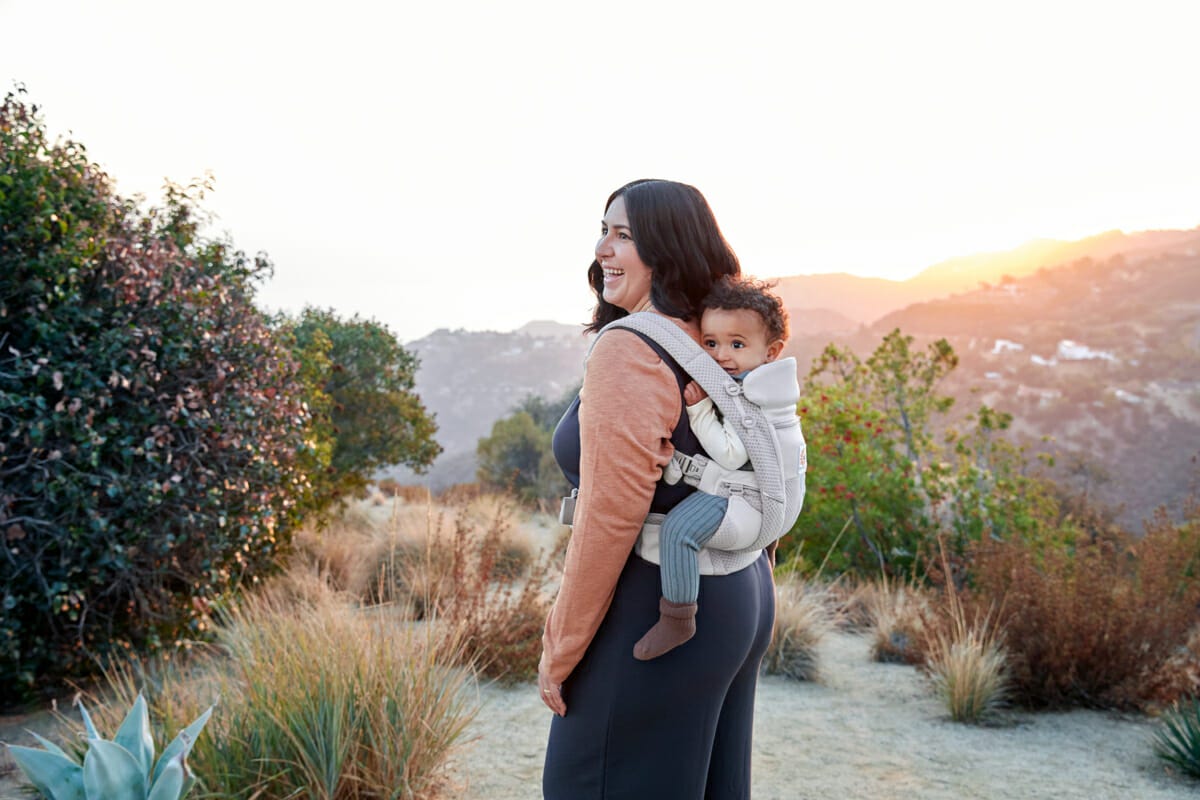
[1098, 624]
[1178, 677]
[317, 699]
[967, 663]
[802, 619]
[900, 617]
[468, 565]
[348, 676]
[499, 617]
[407, 556]
[390, 488]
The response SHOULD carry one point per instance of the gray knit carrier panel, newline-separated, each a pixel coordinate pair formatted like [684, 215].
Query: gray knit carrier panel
[754, 428]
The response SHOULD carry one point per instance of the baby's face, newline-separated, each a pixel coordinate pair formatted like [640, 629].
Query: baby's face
[737, 339]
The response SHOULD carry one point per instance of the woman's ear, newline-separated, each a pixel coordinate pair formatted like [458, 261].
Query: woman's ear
[774, 349]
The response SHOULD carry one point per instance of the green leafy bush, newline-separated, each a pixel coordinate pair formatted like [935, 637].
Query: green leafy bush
[871, 458]
[149, 420]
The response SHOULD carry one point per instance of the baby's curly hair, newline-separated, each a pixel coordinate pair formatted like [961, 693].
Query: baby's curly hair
[733, 293]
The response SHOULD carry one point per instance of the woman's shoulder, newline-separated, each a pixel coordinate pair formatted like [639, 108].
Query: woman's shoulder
[622, 358]
[621, 349]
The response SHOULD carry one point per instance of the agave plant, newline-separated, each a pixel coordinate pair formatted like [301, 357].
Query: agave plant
[123, 769]
[1177, 741]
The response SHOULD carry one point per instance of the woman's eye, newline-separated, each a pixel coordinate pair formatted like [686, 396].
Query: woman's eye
[623, 235]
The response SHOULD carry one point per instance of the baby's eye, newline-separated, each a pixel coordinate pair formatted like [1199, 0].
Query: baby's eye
[738, 345]
[710, 343]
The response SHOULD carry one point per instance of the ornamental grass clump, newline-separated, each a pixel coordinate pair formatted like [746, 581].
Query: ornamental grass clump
[319, 699]
[899, 617]
[801, 620]
[1177, 740]
[966, 661]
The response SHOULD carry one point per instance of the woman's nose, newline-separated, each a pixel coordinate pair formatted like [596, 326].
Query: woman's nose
[603, 246]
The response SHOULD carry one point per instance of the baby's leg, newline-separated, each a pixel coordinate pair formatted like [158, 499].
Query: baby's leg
[685, 530]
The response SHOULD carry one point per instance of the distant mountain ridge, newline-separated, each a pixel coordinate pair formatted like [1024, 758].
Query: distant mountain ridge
[866, 300]
[1133, 296]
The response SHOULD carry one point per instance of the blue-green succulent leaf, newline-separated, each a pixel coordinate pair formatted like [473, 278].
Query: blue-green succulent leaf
[169, 783]
[51, 746]
[92, 733]
[55, 776]
[182, 743]
[134, 735]
[110, 772]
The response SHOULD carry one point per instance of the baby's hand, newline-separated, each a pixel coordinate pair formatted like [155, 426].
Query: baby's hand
[692, 393]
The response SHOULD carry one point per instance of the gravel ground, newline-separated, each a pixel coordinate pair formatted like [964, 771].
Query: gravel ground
[866, 730]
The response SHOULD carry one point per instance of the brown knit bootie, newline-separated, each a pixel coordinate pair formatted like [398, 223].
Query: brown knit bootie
[676, 624]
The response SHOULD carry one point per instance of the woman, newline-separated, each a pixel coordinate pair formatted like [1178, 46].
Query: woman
[678, 726]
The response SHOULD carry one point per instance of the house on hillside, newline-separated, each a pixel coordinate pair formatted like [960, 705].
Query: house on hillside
[1042, 396]
[1069, 350]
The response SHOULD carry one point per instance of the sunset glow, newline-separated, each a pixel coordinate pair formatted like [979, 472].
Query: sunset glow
[445, 165]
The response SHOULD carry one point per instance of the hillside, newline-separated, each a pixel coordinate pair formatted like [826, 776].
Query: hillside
[1102, 356]
[867, 300]
[469, 379]
[1102, 353]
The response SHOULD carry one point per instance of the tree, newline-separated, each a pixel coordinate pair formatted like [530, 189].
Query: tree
[150, 423]
[359, 387]
[517, 455]
[511, 457]
[903, 382]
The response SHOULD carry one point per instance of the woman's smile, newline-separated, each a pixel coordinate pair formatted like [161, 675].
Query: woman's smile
[626, 276]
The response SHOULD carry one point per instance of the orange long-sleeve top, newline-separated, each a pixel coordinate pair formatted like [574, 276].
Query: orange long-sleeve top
[629, 406]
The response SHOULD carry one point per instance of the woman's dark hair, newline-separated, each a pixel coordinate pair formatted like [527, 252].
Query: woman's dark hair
[733, 294]
[677, 237]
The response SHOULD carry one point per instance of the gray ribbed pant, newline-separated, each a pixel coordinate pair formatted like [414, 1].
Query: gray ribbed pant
[687, 527]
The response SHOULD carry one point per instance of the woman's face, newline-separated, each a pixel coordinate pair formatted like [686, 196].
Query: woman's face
[626, 278]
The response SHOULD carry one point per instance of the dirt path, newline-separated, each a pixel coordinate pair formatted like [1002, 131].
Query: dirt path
[867, 730]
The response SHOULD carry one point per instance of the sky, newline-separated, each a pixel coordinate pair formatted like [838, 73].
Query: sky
[445, 164]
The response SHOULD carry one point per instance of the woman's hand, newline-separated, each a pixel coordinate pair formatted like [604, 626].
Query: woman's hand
[551, 694]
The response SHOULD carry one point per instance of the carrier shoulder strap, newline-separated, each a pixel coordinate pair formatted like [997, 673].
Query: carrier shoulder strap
[754, 428]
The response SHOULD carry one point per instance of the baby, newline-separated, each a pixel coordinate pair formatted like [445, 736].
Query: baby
[743, 327]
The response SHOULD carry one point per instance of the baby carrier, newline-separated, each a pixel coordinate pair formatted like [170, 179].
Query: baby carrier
[763, 503]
